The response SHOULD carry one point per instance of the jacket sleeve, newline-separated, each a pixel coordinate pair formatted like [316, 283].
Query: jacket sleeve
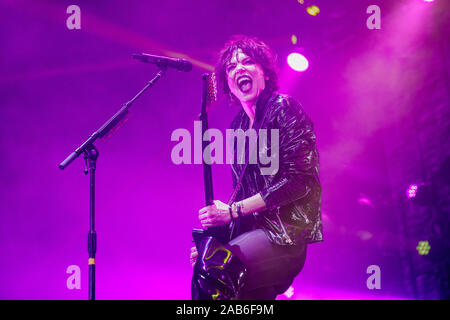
[298, 155]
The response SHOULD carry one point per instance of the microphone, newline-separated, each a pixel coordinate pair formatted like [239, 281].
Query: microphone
[165, 62]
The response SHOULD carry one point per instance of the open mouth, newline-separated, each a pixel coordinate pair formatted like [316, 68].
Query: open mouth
[244, 83]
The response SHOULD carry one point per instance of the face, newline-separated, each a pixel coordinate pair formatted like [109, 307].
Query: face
[245, 77]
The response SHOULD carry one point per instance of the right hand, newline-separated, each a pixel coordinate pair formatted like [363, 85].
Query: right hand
[214, 215]
[194, 255]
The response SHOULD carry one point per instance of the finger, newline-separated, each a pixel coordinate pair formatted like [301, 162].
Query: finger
[205, 209]
[207, 224]
[204, 216]
[207, 220]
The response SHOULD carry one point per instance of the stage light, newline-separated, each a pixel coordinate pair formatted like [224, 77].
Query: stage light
[423, 247]
[313, 10]
[422, 194]
[301, 1]
[412, 191]
[297, 62]
[428, 0]
[294, 39]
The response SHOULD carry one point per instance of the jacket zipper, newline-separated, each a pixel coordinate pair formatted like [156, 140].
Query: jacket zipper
[285, 235]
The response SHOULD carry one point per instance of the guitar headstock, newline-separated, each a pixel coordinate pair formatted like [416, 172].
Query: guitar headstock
[210, 88]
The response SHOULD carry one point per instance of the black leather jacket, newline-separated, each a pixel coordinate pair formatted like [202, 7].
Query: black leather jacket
[293, 194]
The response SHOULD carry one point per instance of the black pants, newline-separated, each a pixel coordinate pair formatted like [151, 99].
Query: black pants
[271, 268]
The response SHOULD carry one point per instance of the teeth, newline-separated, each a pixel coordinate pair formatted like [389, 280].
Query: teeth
[242, 79]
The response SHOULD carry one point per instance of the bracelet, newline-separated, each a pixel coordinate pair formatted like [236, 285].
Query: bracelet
[230, 211]
[239, 209]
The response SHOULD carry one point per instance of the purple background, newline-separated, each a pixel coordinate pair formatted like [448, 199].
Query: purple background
[57, 86]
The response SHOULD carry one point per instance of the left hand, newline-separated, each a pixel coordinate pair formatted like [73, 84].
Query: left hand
[214, 215]
[194, 255]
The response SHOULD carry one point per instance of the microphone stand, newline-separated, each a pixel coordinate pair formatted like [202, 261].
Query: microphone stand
[90, 155]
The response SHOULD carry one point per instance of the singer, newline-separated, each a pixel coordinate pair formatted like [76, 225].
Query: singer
[273, 217]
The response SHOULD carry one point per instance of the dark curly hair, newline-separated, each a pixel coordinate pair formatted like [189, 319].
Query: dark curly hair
[254, 48]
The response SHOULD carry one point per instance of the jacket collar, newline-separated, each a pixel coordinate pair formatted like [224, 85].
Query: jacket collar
[260, 109]
[262, 104]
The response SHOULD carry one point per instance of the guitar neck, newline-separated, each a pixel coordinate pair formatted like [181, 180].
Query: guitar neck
[207, 172]
[209, 95]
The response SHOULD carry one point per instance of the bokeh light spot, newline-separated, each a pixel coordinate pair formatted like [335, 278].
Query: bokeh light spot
[294, 39]
[313, 10]
[423, 247]
[297, 61]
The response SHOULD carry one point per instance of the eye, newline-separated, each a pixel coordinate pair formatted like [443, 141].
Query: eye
[229, 68]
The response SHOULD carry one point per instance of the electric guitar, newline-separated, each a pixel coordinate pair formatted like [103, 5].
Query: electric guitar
[209, 95]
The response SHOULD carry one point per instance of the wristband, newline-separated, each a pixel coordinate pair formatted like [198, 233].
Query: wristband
[239, 209]
[230, 211]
